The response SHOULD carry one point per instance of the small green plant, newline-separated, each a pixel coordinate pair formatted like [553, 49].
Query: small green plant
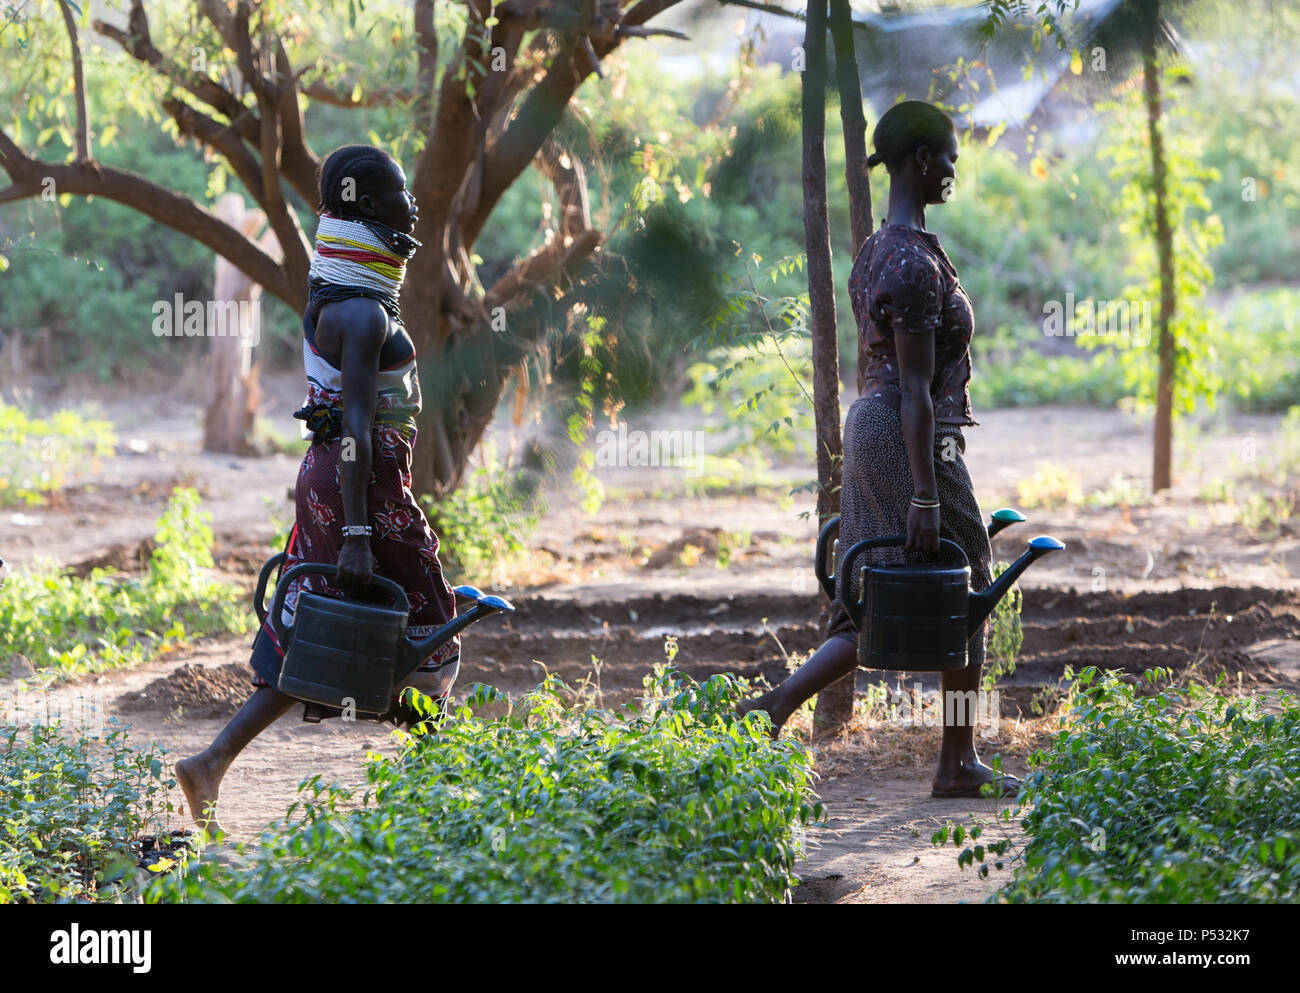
[729, 543]
[483, 527]
[1265, 516]
[1121, 491]
[74, 807]
[1179, 794]
[281, 523]
[65, 626]
[1052, 484]
[670, 800]
[39, 455]
[757, 370]
[1006, 634]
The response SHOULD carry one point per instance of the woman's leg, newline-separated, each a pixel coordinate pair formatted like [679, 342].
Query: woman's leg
[874, 468]
[836, 658]
[200, 777]
[960, 771]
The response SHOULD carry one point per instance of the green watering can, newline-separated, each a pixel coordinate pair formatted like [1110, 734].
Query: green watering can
[344, 653]
[918, 617]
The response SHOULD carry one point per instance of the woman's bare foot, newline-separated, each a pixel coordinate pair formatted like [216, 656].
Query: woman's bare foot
[964, 777]
[200, 780]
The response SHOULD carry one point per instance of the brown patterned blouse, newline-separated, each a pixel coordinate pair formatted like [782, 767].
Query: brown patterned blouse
[903, 281]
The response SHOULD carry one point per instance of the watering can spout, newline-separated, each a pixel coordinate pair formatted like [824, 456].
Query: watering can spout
[982, 604]
[415, 652]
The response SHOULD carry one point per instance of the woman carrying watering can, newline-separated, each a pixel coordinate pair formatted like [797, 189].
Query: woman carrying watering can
[354, 503]
[903, 443]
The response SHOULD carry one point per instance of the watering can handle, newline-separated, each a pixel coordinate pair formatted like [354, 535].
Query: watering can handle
[324, 569]
[853, 554]
[259, 595]
[821, 559]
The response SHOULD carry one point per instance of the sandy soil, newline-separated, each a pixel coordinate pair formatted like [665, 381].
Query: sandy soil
[1173, 583]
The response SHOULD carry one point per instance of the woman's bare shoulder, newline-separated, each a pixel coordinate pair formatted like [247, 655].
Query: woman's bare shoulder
[362, 320]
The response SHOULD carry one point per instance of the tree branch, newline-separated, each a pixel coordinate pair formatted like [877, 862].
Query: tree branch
[138, 44]
[573, 238]
[382, 97]
[195, 124]
[542, 108]
[298, 163]
[177, 212]
[79, 85]
[283, 221]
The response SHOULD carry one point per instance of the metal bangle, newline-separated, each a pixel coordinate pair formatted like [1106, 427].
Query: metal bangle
[925, 505]
[356, 530]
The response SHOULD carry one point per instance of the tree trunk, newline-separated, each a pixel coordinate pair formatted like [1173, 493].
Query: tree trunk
[233, 394]
[854, 123]
[835, 703]
[1161, 475]
[857, 175]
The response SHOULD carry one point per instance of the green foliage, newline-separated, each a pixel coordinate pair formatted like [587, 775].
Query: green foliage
[758, 370]
[1006, 634]
[1168, 797]
[66, 626]
[71, 803]
[1258, 361]
[485, 525]
[39, 455]
[581, 420]
[1195, 230]
[673, 801]
[1011, 373]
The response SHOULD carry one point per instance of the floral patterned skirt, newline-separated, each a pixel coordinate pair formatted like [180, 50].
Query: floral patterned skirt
[404, 546]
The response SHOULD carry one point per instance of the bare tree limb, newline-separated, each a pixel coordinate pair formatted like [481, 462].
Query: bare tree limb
[219, 15]
[298, 163]
[283, 221]
[573, 238]
[31, 177]
[379, 97]
[542, 108]
[79, 85]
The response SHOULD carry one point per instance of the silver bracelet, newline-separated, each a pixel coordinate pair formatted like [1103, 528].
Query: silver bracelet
[356, 530]
[924, 504]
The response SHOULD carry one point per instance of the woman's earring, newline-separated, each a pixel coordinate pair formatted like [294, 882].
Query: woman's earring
[924, 167]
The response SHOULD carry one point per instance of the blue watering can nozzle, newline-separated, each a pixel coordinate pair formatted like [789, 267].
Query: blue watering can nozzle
[1046, 543]
[479, 597]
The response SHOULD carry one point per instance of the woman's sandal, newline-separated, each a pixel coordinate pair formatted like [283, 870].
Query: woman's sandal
[1010, 789]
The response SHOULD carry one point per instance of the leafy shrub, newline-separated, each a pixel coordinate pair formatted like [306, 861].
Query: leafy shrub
[1259, 324]
[37, 455]
[70, 808]
[484, 525]
[70, 625]
[1169, 797]
[674, 801]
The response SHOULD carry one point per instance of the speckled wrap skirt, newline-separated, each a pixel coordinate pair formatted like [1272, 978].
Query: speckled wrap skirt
[876, 491]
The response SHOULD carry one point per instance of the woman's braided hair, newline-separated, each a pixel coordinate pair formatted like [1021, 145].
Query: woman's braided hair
[365, 165]
[904, 128]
